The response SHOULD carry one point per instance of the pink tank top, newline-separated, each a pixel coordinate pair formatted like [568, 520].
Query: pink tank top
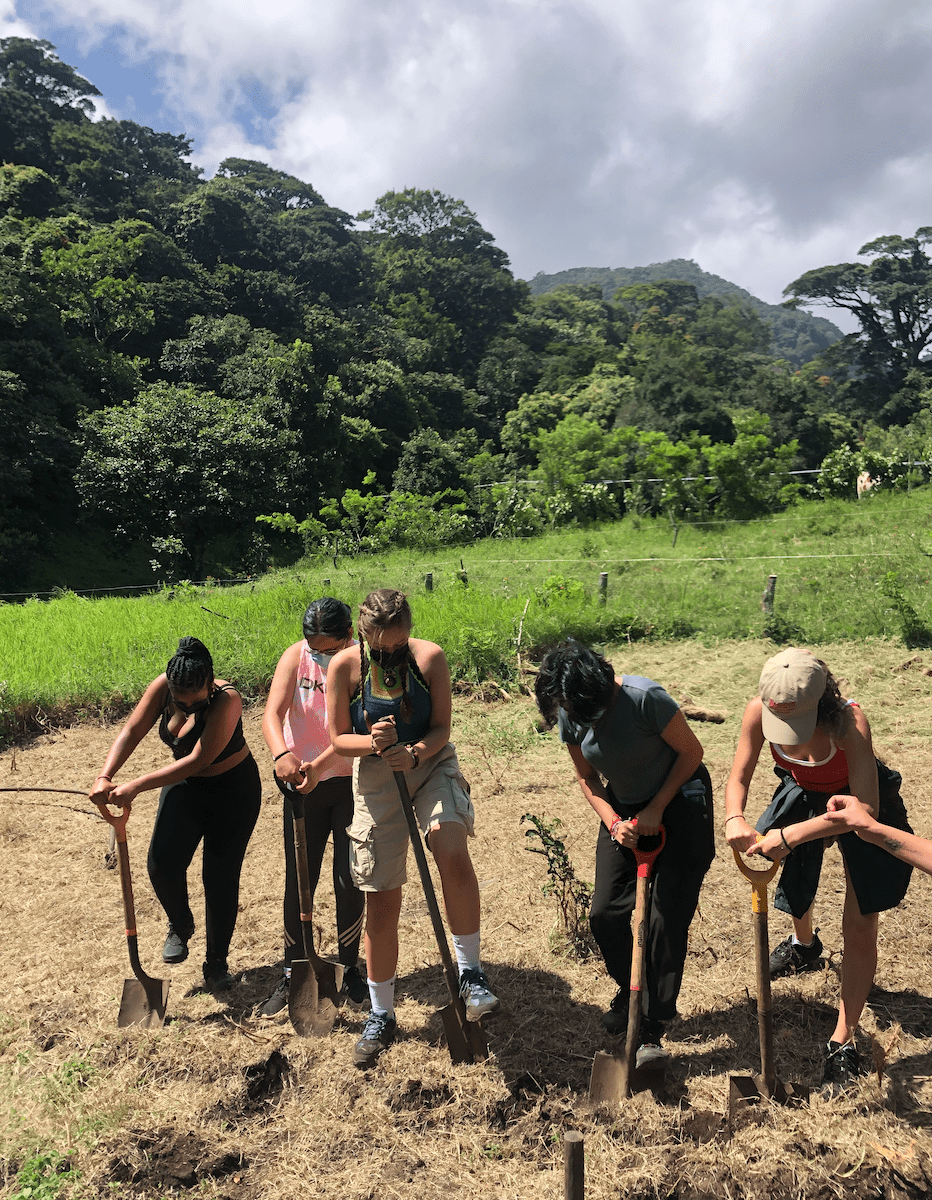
[305, 724]
[829, 776]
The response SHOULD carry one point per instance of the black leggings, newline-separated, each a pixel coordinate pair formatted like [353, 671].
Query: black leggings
[328, 809]
[222, 810]
[677, 876]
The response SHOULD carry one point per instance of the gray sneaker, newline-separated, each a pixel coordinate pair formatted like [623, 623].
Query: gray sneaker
[175, 949]
[477, 995]
[355, 990]
[378, 1033]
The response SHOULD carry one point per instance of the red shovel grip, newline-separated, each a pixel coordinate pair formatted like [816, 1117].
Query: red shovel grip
[645, 858]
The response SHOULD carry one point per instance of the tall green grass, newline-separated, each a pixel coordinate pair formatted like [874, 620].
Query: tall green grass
[834, 562]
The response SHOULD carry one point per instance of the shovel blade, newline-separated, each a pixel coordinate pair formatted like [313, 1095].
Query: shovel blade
[143, 1003]
[608, 1083]
[465, 1039]
[329, 977]
[311, 1013]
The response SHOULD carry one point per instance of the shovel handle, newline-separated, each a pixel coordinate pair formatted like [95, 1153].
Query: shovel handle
[117, 820]
[645, 858]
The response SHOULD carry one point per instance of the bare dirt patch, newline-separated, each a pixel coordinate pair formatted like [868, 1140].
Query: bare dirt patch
[220, 1103]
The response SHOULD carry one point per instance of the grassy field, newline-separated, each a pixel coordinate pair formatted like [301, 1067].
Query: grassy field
[844, 571]
[222, 1105]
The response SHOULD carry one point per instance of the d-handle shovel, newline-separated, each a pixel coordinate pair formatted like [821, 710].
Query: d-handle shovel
[465, 1039]
[314, 989]
[144, 999]
[614, 1075]
[748, 1089]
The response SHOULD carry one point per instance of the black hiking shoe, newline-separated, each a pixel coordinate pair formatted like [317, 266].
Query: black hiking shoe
[175, 949]
[843, 1066]
[615, 1021]
[216, 976]
[278, 999]
[355, 990]
[651, 1053]
[378, 1033]
[476, 994]
[791, 959]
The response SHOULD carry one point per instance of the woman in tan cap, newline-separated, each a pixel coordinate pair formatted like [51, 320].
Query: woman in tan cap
[821, 746]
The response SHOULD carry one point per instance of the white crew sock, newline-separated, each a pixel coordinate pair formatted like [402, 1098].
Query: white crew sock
[382, 996]
[805, 945]
[466, 946]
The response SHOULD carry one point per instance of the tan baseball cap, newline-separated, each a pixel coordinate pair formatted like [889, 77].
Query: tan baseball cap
[791, 685]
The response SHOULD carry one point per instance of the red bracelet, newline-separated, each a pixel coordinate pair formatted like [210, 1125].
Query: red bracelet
[615, 824]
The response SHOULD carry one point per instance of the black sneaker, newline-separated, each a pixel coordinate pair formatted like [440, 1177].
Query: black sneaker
[477, 995]
[615, 1021]
[175, 949]
[355, 989]
[789, 958]
[278, 999]
[378, 1033]
[842, 1066]
[216, 977]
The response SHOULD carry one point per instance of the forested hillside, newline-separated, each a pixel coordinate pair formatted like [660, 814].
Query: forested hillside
[206, 375]
[797, 337]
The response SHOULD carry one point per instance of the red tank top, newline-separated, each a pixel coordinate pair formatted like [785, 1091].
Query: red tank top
[829, 776]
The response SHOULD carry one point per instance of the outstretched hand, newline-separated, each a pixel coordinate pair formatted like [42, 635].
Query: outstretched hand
[849, 813]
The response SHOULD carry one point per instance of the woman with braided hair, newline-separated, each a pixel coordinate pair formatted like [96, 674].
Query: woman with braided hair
[211, 792]
[389, 706]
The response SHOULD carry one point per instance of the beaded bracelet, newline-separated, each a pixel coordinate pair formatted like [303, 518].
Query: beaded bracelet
[733, 817]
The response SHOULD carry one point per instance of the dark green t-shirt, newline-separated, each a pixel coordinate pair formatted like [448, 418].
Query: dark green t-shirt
[625, 746]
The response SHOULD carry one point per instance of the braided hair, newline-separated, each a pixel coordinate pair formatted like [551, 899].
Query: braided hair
[191, 666]
[382, 610]
[327, 617]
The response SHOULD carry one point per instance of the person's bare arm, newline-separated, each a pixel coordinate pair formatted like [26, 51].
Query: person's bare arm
[850, 814]
[219, 724]
[862, 780]
[281, 694]
[738, 832]
[689, 754]
[137, 725]
[434, 667]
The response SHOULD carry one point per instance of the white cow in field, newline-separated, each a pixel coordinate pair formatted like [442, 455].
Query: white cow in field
[865, 483]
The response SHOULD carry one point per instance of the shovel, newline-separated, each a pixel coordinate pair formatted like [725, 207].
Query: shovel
[748, 1089]
[465, 1039]
[614, 1075]
[314, 989]
[144, 998]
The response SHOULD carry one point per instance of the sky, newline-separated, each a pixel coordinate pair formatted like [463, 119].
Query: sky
[759, 138]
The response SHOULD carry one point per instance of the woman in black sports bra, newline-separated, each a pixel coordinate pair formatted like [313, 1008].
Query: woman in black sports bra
[211, 792]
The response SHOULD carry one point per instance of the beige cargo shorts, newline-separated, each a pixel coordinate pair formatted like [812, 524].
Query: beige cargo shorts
[378, 833]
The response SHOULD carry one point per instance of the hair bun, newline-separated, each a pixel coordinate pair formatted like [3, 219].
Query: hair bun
[192, 647]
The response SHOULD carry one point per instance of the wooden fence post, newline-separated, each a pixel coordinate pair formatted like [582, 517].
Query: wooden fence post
[574, 1166]
[429, 581]
[603, 587]
[767, 598]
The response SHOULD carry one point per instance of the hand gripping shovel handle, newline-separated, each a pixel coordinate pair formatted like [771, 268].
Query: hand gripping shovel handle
[472, 1043]
[759, 881]
[645, 862]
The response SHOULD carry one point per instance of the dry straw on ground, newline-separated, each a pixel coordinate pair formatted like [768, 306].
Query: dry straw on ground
[222, 1104]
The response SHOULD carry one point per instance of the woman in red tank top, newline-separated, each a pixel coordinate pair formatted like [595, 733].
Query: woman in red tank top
[821, 745]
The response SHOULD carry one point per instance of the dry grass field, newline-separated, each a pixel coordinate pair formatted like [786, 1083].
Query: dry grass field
[222, 1104]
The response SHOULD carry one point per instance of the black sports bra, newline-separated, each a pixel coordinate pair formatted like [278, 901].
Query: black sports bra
[182, 746]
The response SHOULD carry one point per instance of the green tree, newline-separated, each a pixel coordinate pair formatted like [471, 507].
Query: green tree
[891, 297]
[37, 90]
[188, 467]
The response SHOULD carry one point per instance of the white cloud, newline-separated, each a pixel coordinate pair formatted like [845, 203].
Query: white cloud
[760, 137]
